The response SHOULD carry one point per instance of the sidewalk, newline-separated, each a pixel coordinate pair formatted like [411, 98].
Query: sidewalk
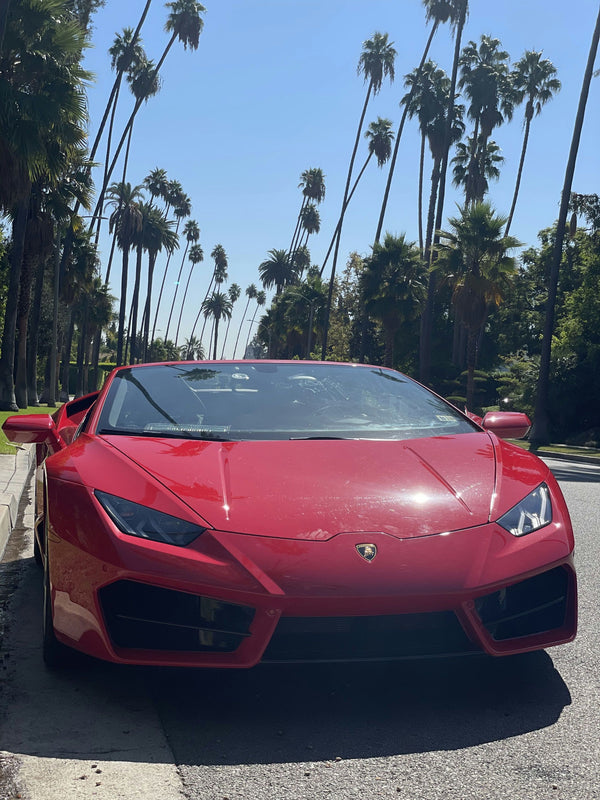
[14, 472]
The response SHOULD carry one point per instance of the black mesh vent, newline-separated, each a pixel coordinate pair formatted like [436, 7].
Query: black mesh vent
[145, 617]
[367, 638]
[536, 605]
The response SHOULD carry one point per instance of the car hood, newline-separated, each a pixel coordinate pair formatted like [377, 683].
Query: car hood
[318, 489]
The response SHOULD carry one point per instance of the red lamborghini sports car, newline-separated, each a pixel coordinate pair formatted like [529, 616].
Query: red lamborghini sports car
[222, 513]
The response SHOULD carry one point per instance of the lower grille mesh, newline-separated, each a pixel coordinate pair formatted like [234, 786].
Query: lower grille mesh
[139, 616]
[367, 638]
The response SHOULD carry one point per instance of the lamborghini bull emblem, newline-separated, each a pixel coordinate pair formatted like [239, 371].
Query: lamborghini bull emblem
[367, 551]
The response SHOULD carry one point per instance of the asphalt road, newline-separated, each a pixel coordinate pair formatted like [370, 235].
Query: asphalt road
[524, 728]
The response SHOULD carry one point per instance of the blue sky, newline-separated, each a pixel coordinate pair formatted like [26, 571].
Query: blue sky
[273, 90]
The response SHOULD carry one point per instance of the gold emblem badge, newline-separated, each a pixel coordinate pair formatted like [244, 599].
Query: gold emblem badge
[367, 551]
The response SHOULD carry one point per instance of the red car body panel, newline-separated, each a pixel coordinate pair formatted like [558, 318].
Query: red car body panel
[283, 521]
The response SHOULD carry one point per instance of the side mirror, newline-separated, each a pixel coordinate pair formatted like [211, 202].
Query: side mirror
[507, 424]
[33, 429]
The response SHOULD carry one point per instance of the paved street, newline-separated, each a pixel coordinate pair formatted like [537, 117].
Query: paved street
[525, 728]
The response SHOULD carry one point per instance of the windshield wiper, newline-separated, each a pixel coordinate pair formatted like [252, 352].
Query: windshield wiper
[309, 438]
[203, 436]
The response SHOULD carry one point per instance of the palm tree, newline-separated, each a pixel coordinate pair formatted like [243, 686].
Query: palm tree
[474, 177]
[219, 275]
[312, 183]
[380, 137]
[440, 12]
[461, 9]
[392, 287]
[251, 292]
[191, 231]
[125, 53]
[277, 271]
[427, 100]
[37, 140]
[184, 23]
[485, 81]
[196, 255]
[310, 222]
[192, 349]
[474, 262]
[126, 221]
[540, 431]
[532, 78]
[376, 62]
[218, 306]
[156, 183]
[158, 235]
[234, 293]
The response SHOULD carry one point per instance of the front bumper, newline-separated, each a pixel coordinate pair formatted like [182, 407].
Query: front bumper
[233, 600]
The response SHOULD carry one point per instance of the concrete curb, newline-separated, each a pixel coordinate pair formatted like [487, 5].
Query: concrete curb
[14, 474]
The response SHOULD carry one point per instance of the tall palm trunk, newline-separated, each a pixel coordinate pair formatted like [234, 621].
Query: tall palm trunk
[7, 359]
[33, 337]
[341, 221]
[471, 363]
[294, 243]
[27, 275]
[162, 283]
[237, 338]
[135, 305]
[66, 364]
[187, 286]
[540, 431]
[216, 338]
[427, 317]
[54, 349]
[420, 195]
[107, 156]
[151, 263]
[127, 130]
[528, 118]
[176, 291]
[122, 306]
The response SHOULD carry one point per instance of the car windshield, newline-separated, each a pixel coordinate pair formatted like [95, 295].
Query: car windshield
[267, 400]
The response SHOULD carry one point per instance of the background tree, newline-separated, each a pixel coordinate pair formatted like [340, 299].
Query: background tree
[40, 59]
[196, 255]
[376, 62]
[234, 293]
[438, 12]
[218, 306]
[392, 288]
[191, 231]
[533, 77]
[277, 271]
[540, 431]
[126, 222]
[473, 259]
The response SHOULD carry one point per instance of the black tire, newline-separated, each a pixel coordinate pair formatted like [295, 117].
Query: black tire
[37, 553]
[56, 655]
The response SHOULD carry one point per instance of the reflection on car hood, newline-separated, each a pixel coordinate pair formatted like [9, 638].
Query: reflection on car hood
[317, 489]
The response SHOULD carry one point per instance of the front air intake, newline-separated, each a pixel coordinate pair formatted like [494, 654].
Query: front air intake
[143, 617]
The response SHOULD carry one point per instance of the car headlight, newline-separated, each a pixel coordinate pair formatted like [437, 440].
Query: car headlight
[147, 523]
[532, 513]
